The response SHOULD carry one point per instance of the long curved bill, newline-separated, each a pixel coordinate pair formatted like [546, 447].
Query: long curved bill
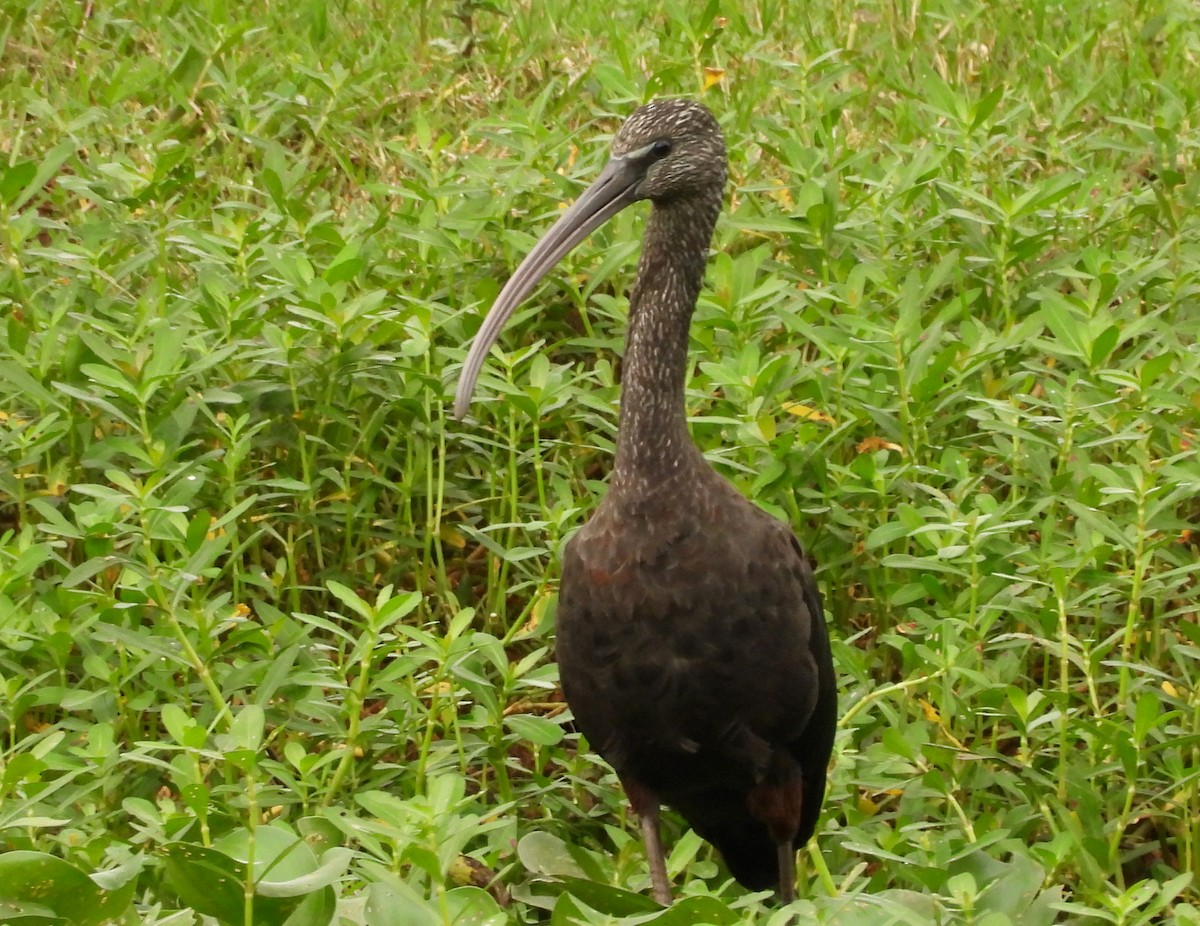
[612, 191]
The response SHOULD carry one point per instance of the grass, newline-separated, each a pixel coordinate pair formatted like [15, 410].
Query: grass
[275, 631]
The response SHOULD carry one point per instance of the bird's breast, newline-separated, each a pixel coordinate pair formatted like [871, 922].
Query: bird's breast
[682, 627]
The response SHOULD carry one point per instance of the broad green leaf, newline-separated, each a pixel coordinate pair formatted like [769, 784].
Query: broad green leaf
[535, 729]
[545, 854]
[58, 891]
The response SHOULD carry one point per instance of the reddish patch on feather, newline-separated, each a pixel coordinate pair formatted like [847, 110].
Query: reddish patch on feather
[778, 805]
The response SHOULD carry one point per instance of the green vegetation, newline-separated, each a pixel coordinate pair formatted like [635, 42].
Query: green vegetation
[275, 635]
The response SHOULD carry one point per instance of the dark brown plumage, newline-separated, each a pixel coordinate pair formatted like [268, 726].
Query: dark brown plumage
[691, 638]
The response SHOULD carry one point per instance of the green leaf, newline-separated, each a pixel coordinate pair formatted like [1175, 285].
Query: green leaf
[887, 533]
[347, 597]
[1061, 318]
[1104, 343]
[346, 265]
[692, 910]
[247, 730]
[398, 905]
[113, 379]
[608, 899]
[333, 865]
[1153, 368]
[397, 608]
[56, 887]
[296, 888]
[276, 676]
[986, 106]
[208, 881]
[473, 906]
[182, 728]
[535, 729]
[1149, 714]
[925, 564]
[19, 183]
[14, 179]
[545, 854]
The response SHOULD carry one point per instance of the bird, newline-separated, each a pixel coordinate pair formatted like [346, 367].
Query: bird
[690, 633]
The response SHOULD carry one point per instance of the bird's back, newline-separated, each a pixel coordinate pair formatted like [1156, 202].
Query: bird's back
[693, 652]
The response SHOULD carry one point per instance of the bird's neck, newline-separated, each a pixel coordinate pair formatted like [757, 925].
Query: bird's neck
[653, 443]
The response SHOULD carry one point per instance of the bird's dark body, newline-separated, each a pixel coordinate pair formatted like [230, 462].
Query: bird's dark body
[692, 650]
[691, 640]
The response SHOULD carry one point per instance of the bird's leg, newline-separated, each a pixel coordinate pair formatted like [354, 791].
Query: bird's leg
[645, 805]
[787, 872]
[656, 857]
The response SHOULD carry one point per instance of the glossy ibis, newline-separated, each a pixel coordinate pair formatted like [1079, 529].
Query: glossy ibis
[691, 638]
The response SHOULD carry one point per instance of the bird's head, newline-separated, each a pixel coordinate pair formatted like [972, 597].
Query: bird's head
[674, 148]
[667, 151]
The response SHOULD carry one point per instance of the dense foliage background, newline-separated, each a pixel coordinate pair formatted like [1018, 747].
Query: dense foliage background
[276, 632]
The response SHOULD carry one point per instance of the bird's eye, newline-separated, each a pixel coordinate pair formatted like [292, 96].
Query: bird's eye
[660, 149]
